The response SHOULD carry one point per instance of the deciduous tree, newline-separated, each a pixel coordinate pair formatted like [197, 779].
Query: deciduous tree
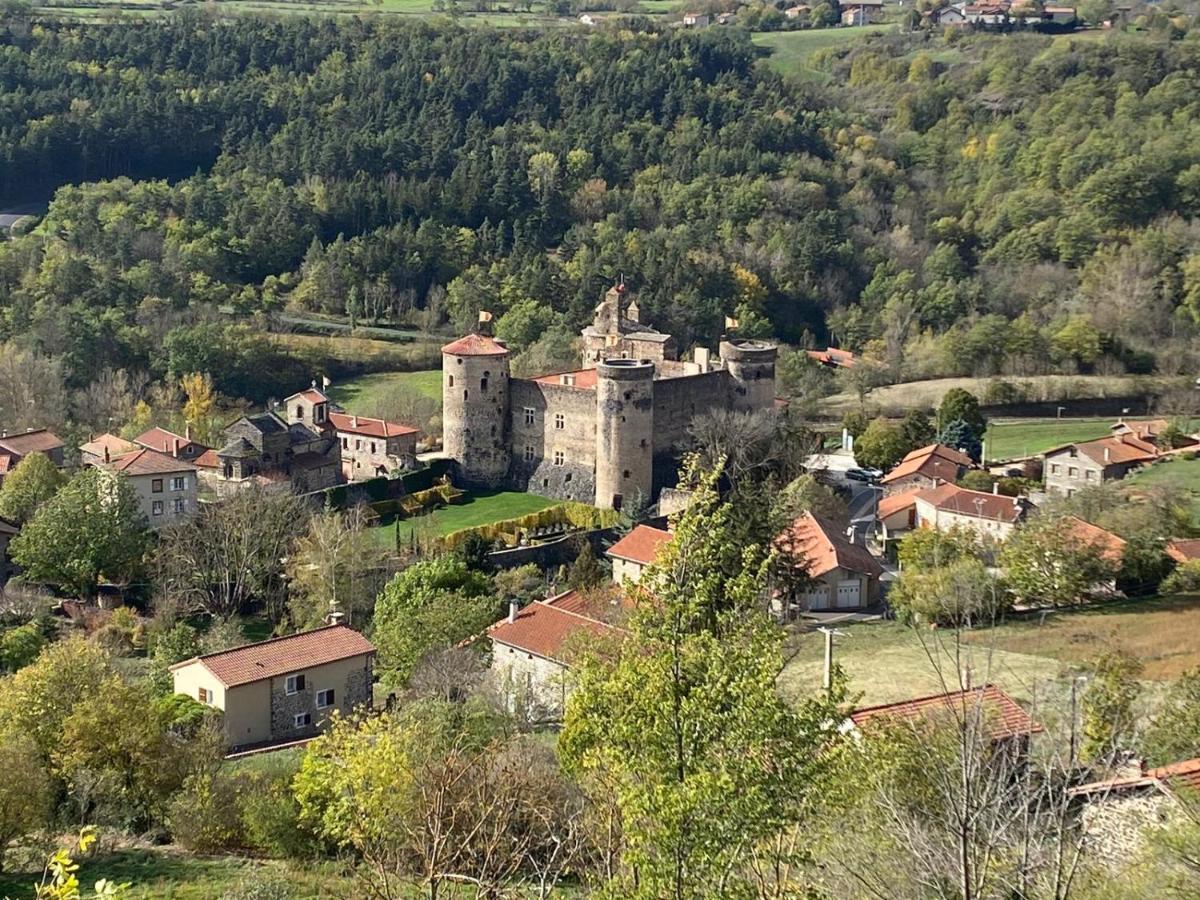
[34, 481]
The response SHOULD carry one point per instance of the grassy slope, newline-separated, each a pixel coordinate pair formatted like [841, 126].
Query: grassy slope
[360, 395]
[1010, 440]
[792, 51]
[481, 508]
[1178, 473]
[888, 662]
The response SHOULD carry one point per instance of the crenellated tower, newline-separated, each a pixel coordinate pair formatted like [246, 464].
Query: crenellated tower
[751, 366]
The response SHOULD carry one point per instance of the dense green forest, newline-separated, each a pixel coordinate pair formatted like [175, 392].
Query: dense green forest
[959, 204]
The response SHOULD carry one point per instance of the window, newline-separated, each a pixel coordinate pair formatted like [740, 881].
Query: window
[179, 483]
[178, 505]
[559, 458]
[156, 486]
[294, 684]
[465, 395]
[357, 444]
[529, 415]
[1055, 468]
[299, 411]
[528, 453]
[626, 474]
[325, 699]
[560, 421]
[483, 383]
[1089, 474]
[372, 446]
[301, 720]
[156, 508]
[345, 443]
[451, 377]
[1073, 472]
[204, 695]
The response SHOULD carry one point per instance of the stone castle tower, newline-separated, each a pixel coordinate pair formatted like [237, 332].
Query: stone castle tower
[475, 409]
[751, 365]
[624, 431]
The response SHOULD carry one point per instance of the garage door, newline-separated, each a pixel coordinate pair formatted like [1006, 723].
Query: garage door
[817, 597]
[849, 594]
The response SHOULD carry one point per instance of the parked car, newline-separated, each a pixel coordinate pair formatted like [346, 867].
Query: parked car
[867, 475]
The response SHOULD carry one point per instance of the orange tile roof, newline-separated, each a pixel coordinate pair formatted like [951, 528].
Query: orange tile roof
[365, 425]
[585, 379]
[1183, 774]
[641, 545]
[116, 446]
[37, 440]
[977, 504]
[149, 462]
[162, 440]
[475, 345]
[207, 460]
[831, 356]
[1110, 546]
[889, 506]
[1122, 450]
[1005, 718]
[544, 626]
[283, 655]
[312, 395]
[1183, 549]
[824, 549]
[934, 462]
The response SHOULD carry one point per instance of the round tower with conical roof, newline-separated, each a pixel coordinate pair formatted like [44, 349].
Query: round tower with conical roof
[475, 409]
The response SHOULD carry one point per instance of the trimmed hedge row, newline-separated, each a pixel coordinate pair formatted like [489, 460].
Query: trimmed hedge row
[579, 516]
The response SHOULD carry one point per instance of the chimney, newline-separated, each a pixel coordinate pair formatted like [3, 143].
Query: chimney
[335, 617]
[106, 456]
[995, 487]
[850, 533]
[175, 447]
[1107, 455]
[187, 431]
[353, 421]
[513, 608]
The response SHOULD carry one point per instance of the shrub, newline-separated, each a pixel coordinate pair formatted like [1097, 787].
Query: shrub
[205, 815]
[961, 593]
[1184, 580]
[271, 819]
[20, 646]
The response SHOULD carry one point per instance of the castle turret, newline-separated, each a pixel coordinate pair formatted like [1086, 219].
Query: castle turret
[624, 430]
[752, 367]
[475, 409]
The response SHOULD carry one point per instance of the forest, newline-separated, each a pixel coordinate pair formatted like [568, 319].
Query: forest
[954, 205]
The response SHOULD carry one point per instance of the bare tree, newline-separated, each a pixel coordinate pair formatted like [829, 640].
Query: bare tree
[32, 394]
[752, 445]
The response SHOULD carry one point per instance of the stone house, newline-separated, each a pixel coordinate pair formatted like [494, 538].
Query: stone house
[840, 573]
[926, 467]
[532, 646]
[15, 447]
[8, 531]
[180, 445]
[696, 20]
[1059, 15]
[987, 708]
[164, 485]
[267, 447]
[1072, 467]
[1119, 814]
[636, 550]
[993, 516]
[373, 447]
[861, 12]
[283, 689]
[104, 448]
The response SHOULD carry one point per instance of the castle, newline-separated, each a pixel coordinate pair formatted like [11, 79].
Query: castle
[603, 433]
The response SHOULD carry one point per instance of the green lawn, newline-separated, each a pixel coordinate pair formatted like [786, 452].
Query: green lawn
[792, 51]
[360, 395]
[170, 875]
[1178, 473]
[1018, 438]
[480, 508]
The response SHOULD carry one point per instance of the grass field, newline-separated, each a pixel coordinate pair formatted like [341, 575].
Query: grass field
[792, 51]
[166, 875]
[362, 352]
[886, 661]
[1018, 438]
[481, 508]
[361, 395]
[1178, 473]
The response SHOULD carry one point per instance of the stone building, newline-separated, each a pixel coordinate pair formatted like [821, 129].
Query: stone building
[283, 689]
[1072, 467]
[635, 551]
[164, 485]
[600, 434]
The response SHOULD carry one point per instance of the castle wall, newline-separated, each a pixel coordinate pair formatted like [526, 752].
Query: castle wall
[536, 444]
[679, 400]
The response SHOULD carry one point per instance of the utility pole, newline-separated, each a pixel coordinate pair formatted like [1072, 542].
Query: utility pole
[827, 678]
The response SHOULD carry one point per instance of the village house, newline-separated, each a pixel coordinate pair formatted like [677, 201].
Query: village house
[165, 486]
[896, 515]
[283, 689]
[532, 647]
[696, 20]
[987, 708]
[840, 574]
[926, 467]
[1108, 546]
[948, 16]
[373, 447]
[1183, 550]
[1119, 814]
[8, 531]
[947, 506]
[1072, 467]
[180, 445]
[636, 550]
[266, 449]
[861, 12]
[104, 448]
[15, 447]
[985, 13]
[1059, 15]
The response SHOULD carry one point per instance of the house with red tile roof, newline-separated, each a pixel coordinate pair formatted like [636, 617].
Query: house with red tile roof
[987, 708]
[15, 446]
[831, 356]
[991, 515]
[636, 550]
[373, 447]
[104, 448]
[840, 573]
[165, 485]
[1183, 550]
[532, 646]
[896, 514]
[1108, 546]
[1072, 467]
[926, 467]
[283, 689]
[1119, 814]
[180, 445]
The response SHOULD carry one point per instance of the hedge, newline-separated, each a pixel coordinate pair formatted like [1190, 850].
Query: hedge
[579, 516]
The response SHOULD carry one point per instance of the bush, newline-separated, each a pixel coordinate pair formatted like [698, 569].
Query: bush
[1184, 580]
[962, 593]
[205, 816]
[271, 819]
[20, 646]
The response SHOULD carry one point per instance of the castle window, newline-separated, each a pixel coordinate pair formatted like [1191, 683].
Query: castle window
[299, 411]
[483, 383]
[559, 457]
[451, 377]
[626, 474]
[628, 395]
[528, 453]
[528, 415]
[567, 479]
[560, 421]
[465, 395]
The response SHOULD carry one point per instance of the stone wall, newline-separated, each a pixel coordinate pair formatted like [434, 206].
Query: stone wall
[574, 478]
[1117, 825]
[679, 400]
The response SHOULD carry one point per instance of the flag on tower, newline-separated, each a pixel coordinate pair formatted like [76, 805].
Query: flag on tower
[484, 316]
[730, 323]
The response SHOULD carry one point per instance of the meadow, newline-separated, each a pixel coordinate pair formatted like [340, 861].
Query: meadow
[1018, 438]
[792, 51]
[361, 395]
